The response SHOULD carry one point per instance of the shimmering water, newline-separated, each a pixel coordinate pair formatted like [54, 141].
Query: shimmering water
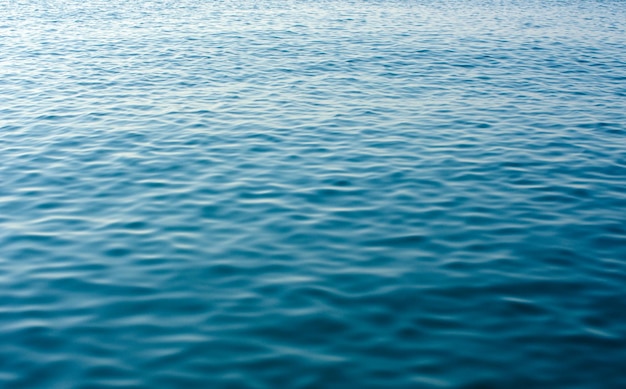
[306, 194]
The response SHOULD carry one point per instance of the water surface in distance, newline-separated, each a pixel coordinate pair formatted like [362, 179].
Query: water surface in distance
[300, 194]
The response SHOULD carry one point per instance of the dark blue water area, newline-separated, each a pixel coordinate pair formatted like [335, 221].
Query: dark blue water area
[305, 194]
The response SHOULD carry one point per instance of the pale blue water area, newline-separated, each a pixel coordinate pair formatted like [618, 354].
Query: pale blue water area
[312, 194]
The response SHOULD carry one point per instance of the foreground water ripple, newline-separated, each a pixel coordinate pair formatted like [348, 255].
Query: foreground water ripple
[333, 194]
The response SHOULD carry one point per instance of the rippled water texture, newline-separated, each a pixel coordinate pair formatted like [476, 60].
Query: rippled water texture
[299, 194]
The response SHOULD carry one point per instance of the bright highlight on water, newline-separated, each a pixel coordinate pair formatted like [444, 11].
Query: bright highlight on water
[299, 194]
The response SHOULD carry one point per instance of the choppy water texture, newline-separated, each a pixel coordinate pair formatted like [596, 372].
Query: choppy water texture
[298, 194]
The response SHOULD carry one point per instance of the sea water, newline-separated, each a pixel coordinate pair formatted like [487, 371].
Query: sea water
[312, 194]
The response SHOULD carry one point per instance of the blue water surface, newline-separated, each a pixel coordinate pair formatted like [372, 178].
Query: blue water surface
[312, 194]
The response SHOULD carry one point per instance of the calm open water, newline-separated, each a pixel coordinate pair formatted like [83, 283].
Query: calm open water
[305, 194]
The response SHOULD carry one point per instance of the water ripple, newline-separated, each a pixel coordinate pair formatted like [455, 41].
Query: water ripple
[295, 194]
